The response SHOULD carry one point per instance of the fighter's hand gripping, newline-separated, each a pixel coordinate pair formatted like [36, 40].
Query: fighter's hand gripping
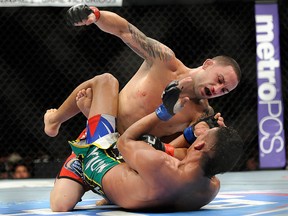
[81, 14]
[192, 132]
[171, 102]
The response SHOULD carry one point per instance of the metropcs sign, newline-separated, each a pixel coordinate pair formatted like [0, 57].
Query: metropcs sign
[270, 105]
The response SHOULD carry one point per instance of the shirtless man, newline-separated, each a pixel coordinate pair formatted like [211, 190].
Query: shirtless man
[142, 94]
[69, 185]
[150, 178]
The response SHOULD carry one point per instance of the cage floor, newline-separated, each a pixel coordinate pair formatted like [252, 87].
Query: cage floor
[242, 193]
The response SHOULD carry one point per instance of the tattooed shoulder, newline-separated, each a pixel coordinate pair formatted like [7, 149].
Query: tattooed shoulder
[151, 47]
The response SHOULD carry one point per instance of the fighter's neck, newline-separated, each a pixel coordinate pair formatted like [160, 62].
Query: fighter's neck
[192, 157]
[191, 168]
[189, 72]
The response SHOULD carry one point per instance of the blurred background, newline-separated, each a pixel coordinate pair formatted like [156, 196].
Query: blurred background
[42, 60]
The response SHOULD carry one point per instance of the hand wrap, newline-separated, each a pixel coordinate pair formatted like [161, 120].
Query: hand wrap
[189, 131]
[170, 106]
[80, 12]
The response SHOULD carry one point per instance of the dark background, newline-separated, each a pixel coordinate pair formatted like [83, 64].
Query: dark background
[42, 60]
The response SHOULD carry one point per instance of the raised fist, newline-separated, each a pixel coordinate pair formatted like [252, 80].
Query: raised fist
[80, 14]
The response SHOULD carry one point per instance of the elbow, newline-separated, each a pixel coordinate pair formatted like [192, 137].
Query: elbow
[122, 143]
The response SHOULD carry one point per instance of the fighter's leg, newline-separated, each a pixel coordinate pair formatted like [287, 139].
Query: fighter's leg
[69, 186]
[51, 127]
[102, 115]
[65, 194]
[106, 102]
[84, 100]
[69, 108]
[105, 96]
[84, 97]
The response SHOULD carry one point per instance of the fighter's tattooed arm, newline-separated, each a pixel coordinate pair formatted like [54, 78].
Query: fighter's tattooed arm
[148, 48]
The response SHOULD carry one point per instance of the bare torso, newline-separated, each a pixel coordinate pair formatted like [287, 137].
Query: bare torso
[142, 95]
[169, 185]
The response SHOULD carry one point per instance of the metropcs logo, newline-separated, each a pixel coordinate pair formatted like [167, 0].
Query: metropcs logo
[270, 111]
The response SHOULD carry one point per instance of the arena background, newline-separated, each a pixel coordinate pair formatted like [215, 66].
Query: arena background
[42, 60]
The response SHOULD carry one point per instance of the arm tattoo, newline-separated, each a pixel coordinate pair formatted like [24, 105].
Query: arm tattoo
[153, 48]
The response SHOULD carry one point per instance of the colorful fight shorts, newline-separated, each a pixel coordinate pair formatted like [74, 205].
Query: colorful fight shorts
[99, 153]
[96, 162]
[72, 169]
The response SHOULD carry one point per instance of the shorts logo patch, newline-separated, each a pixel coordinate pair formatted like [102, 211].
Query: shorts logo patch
[75, 166]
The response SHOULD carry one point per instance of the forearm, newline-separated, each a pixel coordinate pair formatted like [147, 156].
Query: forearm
[109, 22]
[129, 144]
[142, 126]
[146, 47]
[179, 142]
[112, 23]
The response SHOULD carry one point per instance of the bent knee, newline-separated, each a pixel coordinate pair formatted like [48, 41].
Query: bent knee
[63, 203]
[65, 195]
[106, 79]
[109, 79]
[60, 205]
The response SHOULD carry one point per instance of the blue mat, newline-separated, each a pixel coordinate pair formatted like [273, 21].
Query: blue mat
[242, 193]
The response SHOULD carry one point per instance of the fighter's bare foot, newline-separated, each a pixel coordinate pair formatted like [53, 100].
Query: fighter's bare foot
[84, 100]
[51, 128]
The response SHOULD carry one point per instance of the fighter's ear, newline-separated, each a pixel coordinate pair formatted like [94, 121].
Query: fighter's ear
[207, 63]
[199, 145]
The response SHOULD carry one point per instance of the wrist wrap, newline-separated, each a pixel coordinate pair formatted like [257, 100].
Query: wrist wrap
[162, 113]
[96, 12]
[169, 149]
[189, 135]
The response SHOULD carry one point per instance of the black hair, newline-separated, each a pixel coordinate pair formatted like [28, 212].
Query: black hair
[20, 163]
[224, 154]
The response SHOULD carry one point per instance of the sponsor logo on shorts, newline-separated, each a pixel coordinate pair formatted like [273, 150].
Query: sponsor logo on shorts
[75, 166]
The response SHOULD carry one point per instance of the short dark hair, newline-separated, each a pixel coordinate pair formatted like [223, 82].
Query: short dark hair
[20, 163]
[224, 154]
[228, 61]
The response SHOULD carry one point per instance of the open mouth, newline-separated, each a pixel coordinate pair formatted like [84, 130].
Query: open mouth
[207, 91]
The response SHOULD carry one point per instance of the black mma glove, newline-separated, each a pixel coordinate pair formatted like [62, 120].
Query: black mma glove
[153, 141]
[80, 12]
[157, 144]
[170, 106]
